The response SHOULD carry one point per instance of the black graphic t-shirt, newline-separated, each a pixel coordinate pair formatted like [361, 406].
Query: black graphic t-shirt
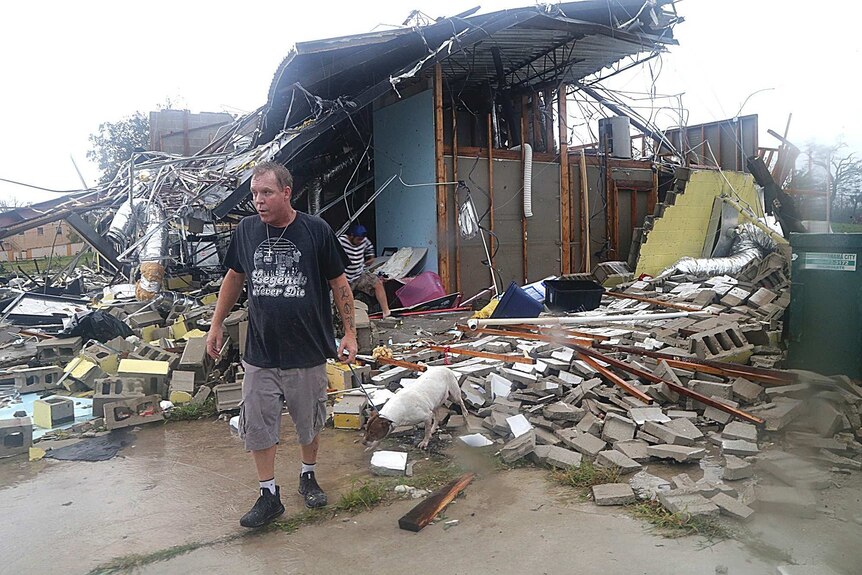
[290, 319]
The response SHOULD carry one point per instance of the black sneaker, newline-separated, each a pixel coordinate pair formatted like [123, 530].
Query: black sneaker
[311, 491]
[266, 508]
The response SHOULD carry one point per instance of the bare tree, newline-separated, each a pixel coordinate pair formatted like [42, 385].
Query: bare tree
[835, 169]
[11, 202]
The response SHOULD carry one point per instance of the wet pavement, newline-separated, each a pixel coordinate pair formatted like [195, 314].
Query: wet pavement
[189, 482]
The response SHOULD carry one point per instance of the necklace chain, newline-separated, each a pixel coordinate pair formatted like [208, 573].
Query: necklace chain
[269, 240]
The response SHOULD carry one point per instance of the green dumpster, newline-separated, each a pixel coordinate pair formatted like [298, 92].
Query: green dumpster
[825, 331]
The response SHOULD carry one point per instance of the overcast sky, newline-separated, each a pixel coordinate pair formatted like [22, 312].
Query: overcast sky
[68, 66]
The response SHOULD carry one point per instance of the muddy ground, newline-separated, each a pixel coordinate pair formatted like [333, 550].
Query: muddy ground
[187, 483]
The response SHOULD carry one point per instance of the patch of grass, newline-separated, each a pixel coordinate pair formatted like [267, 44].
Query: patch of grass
[308, 517]
[363, 497]
[192, 411]
[678, 524]
[586, 475]
[131, 562]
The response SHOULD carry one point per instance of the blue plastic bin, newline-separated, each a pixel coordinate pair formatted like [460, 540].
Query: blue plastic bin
[516, 303]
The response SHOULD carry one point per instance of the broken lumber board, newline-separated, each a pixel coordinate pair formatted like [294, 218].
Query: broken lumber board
[508, 358]
[761, 374]
[424, 513]
[615, 379]
[585, 353]
[400, 363]
[557, 331]
[653, 301]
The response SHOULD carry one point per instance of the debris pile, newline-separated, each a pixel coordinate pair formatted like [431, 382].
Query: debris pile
[698, 389]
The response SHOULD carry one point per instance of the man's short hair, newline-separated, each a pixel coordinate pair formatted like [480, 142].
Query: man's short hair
[282, 174]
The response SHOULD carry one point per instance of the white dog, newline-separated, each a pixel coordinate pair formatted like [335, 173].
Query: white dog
[414, 405]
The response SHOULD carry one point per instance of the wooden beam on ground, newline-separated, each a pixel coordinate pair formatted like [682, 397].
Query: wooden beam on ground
[524, 335]
[424, 513]
[508, 358]
[615, 379]
[443, 268]
[623, 295]
[773, 376]
[399, 363]
[589, 353]
[565, 191]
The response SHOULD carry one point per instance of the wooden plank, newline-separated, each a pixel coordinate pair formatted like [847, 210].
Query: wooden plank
[652, 199]
[585, 211]
[399, 363]
[615, 379]
[508, 358]
[524, 335]
[615, 219]
[633, 213]
[455, 195]
[565, 191]
[443, 269]
[677, 388]
[424, 513]
[492, 239]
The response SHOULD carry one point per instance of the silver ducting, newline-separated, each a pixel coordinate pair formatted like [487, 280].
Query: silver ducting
[750, 243]
[123, 224]
[154, 247]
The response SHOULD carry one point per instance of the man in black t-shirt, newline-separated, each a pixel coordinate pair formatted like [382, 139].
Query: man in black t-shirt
[288, 262]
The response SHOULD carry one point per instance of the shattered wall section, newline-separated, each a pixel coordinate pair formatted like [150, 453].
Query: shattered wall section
[404, 145]
[680, 224]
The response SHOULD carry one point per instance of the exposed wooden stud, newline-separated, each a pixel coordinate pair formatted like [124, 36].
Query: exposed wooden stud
[492, 239]
[443, 264]
[585, 211]
[455, 194]
[633, 214]
[652, 198]
[508, 358]
[565, 191]
[524, 110]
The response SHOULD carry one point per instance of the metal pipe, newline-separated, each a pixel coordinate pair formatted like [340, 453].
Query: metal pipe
[568, 320]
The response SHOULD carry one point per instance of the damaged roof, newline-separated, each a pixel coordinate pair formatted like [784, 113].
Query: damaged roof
[523, 48]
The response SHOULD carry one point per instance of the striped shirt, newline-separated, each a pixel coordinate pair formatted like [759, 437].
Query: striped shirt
[356, 256]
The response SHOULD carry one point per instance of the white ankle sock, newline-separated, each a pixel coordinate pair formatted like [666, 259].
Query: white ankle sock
[306, 468]
[270, 484]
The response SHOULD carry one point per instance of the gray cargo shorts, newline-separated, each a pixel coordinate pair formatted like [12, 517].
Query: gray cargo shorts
[266, 390]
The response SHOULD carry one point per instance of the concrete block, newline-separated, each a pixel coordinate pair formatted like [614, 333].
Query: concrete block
[106, 358]
[740, 430]
[785, 501]
[780, 413]
[183, 381]
[738, 447]
[196, 359]
[584, 443]
[228, 396]
[16, 436]
[794, 470]
[664, 433]
[635, 449]
[590, 424]
[37, 379]
[562, 458]
[711, 388]
[53, 411]
[545, 437]
[736, 468]
[519, 447]
[145, 319]
[717, 415]
[683, 481]
[687, 503]
[201, 395]
[154, 374]
[731, 507]
[617, 428]
[648, 486]
[745, 390]
[58, 350]
[563, 412]
[614, 458]
[679, 453]
[613, 494]
[113, 389]
[685, 430]
[725, 343]
[824, 417]
[131, 412]
[640, 415]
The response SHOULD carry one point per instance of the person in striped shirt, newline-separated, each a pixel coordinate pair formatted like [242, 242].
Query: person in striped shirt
[360, 253]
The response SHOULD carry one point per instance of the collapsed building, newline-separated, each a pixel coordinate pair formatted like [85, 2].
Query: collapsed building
[452, 139]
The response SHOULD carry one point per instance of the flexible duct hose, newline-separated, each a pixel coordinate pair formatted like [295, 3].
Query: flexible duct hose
[528, 181]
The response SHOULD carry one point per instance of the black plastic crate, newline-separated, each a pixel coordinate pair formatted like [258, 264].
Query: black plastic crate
[572, 295]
